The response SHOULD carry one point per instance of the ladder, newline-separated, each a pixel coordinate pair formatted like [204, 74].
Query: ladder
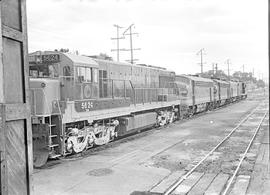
[63, 133]
[54, 135]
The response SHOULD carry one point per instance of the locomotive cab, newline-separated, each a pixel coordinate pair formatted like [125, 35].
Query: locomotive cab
[78, 75]
[55, 79]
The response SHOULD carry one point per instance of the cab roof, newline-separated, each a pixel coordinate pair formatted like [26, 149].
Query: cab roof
[131, 65]
[196, 78]
[81, 60]
[77, 60]
[220, 81]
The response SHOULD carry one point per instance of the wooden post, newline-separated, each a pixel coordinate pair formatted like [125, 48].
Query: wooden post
[3, 163]
[15, 130]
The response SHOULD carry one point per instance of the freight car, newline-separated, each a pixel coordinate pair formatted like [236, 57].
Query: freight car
[79, 102]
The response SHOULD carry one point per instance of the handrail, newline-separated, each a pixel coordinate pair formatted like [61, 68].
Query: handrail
[58, 105]
[136, 93]
[152, 88]
[104, 79]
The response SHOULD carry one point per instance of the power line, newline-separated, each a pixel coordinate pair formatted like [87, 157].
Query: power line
[130, 34]
[117, 40]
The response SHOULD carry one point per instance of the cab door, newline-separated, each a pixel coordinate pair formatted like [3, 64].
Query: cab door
[103, 84]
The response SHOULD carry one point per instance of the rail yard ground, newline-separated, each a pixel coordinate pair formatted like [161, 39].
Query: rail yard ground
[150, 162]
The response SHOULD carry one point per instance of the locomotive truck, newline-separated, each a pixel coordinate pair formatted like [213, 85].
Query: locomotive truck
[78, 102]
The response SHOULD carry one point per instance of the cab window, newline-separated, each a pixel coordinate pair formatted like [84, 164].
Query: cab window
[95, 75]
[84, 74]
[88, 75]
[81, 74]
[53, 70]
[66, 71]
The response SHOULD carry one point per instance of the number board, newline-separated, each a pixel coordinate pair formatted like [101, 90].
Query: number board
[51, 58]
[91, 105]
[84, 106]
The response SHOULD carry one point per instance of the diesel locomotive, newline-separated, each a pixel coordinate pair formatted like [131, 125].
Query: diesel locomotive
[78, 102]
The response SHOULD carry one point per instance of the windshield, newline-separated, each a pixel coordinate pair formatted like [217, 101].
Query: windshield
[44, 70]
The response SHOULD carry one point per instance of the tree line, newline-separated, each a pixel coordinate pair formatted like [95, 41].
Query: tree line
[238, 75]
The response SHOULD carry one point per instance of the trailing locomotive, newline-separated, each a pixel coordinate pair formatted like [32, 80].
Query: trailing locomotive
[79, 102]
[205, 94]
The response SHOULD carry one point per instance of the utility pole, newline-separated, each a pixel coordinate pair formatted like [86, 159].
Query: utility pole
[201, 53]
[243, 68]
[213, 68]
[117, 40]
[253, 73]
[228, 62]
[131, 43]
[216, 68]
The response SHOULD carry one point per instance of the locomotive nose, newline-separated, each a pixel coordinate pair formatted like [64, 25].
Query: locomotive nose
[43, 93]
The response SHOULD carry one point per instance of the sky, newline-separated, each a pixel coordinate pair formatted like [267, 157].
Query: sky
[170, 32]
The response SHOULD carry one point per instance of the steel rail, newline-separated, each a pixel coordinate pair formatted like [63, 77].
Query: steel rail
[177, 183]
[244, 155]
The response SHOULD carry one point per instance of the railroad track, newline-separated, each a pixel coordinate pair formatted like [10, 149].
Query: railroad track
[258, 115]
